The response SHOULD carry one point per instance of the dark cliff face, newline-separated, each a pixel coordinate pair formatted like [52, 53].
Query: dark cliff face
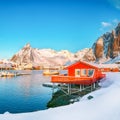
[118, 30]
[108, 45]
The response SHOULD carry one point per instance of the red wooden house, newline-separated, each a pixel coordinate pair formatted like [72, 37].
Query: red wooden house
[81, 73]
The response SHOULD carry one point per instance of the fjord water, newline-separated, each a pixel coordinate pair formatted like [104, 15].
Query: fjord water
[24, 93]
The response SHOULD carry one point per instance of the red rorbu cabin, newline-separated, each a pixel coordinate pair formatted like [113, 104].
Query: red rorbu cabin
[81, 73]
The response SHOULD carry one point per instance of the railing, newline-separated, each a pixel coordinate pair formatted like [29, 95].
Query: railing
[71, 79]
[77, 80]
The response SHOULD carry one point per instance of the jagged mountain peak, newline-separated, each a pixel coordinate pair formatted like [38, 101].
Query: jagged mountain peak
[27, 46]
[107, 46]
[117, 29]
[45, 56]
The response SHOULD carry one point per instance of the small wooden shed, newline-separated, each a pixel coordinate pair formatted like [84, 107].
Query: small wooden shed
[80, 73]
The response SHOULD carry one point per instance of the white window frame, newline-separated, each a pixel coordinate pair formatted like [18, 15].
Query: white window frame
[76, 72]
[82, 74]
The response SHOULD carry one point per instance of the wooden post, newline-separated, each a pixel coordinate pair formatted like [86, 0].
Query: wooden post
[69, 89]
[80, 88]
[94, 85]
[53, 90]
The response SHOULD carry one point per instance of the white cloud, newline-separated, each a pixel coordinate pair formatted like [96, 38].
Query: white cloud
[106, 24]
[115, 21]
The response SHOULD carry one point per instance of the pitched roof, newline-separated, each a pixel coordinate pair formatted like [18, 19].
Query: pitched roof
[83, 62]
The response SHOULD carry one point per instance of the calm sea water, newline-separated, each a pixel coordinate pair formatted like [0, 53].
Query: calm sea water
[24, 93]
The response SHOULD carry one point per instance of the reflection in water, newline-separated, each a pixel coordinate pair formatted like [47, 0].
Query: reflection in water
[24, 93]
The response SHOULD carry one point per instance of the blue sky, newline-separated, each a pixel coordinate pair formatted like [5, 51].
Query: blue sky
[56, 24]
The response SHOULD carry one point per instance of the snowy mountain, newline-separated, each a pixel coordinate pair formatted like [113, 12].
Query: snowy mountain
[45, 57]
[107, 47]
[4, 63]
[80, 54]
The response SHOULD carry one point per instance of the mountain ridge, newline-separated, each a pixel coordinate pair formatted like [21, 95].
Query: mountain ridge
[48, 57]
[104, 49]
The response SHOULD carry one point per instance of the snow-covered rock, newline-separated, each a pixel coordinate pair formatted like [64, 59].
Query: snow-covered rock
[4, 63]
[45, 57]
[80, 54]
[107, 46]
[89, 56]
[115, 60]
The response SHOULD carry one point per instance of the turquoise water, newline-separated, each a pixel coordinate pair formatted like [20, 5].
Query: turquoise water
[24, 93]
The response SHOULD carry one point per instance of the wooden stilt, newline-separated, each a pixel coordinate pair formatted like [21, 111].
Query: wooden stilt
[94, 85]
[53, 89]
[69, 89]
[80, 88]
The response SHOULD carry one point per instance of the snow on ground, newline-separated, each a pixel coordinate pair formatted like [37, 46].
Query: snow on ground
[116, 59]
[104, 106]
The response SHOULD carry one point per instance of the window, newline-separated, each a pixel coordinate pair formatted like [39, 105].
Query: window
[77, 72]
[90, 72]
[83, 72]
